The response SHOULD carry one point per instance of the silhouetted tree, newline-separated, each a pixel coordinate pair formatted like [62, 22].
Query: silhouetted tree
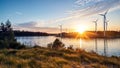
[3, 27]
[57, 44]
[7, 39]
[8, 25]
[70, 47]
[7, 32]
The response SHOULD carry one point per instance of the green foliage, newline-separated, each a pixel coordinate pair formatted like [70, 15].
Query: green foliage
[5, 51]
[16, 45]
[4, 44]
[7, 32]
[7, 38]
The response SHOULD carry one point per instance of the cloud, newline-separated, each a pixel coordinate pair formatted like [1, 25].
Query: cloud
[28, 24]
[36, 26]
[33, 24]
[31, 27]
[84, 2]
[18, 13]
[91, 7]
[84, 8]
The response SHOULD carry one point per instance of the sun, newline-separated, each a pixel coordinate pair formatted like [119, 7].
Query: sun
[80, 29]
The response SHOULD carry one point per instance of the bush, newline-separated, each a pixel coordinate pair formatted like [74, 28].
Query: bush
[16, 45]
[57, 44]
[49, 45]
[70, 47]
[3, 44]
[10, 44]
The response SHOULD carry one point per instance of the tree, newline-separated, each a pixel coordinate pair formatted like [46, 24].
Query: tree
[8, 24]
[57, 44]
[7, 32]
[7, 38]
[3, 27]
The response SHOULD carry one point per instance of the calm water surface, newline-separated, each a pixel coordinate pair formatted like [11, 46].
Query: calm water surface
[107, 47]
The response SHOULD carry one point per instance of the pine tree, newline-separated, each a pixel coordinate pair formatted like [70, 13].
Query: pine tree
[7, 32]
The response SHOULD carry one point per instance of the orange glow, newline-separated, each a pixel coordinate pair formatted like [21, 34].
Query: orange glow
[81, 29]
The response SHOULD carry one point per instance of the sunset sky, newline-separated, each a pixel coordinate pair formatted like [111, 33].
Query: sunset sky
[47, 15]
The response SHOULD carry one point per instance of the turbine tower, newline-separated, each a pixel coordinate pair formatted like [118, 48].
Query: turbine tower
[95, 25]
[104, 20]
[107, 25]
[61, 31]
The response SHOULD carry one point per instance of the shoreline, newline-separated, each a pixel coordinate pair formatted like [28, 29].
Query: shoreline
[46, 57]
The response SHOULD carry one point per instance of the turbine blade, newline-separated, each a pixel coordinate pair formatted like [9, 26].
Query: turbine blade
[101, 14]
[93, 21]
[106, 12]
[107, 21]
[96, 20]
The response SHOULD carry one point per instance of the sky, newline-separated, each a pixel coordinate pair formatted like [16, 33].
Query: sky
[47, 15]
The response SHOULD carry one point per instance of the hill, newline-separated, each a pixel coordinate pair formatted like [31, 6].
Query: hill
[40, 57]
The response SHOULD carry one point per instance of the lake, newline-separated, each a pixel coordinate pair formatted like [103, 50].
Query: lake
[107, 47]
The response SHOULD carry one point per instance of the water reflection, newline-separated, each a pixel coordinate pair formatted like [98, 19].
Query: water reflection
[105, 47]
[98, 45]
[80, 43]
[96, 48]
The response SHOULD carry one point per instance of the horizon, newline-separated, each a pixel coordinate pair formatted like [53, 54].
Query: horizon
[64, 31]
[47, 15]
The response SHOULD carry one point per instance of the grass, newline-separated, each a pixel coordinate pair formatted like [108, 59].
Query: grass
[40, 57]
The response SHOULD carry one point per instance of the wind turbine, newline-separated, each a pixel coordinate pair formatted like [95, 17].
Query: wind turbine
[96, 33]
[61, 31]
[104, 20]
[95, 25]
[107, 25]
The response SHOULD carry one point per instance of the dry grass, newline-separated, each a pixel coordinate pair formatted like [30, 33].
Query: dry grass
[40, 57]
